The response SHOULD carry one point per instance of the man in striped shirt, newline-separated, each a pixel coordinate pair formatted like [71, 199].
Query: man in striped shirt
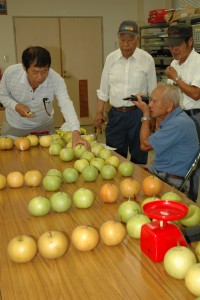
[27, 92]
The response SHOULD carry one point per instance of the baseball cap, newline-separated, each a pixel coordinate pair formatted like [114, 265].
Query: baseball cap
[129, 27]
[177, 34]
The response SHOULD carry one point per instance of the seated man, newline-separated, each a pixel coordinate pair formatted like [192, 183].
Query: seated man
[175, 142]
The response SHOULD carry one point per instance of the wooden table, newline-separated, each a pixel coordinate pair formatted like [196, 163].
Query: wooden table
[119, 272]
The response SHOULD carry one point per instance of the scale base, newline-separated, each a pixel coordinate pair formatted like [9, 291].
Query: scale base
[155, 240]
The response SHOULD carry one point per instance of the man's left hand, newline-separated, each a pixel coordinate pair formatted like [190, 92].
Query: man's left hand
[142, 106]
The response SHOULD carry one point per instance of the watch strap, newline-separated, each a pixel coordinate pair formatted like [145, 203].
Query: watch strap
[177, 78]
[145, 119]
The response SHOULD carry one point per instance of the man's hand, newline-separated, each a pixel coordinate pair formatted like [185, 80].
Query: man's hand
[99, 120]
[142, 106]
[171, 73]
[24, 111]
[77, 139]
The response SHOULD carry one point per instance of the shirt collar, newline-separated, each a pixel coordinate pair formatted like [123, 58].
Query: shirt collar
[174, 113]
[24, 80]
[134, 55]
[188, 58]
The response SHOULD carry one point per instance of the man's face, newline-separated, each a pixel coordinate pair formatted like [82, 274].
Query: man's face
[182, 51]
[127, 44]
[159, 107]
[36, 75]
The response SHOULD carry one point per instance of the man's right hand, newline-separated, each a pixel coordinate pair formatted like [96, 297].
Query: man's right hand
[171, 73]
[24, 111]
[99, 120]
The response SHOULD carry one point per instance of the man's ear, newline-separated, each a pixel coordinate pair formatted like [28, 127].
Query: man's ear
[138, 39]
[170, 106]
[24, 67]
[191, 41]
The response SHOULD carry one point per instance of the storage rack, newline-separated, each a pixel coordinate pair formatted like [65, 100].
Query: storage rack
[195, 22]
[152, 38]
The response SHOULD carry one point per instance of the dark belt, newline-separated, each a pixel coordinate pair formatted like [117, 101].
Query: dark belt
[174, 176]
[125, 108]
[192, 112]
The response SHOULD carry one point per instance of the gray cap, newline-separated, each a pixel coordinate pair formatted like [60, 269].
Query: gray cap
[178, 33]
[129, 27]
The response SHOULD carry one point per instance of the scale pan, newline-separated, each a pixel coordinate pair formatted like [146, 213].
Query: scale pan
[165, 210]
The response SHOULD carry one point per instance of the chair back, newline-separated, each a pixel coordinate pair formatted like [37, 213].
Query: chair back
[191, 170]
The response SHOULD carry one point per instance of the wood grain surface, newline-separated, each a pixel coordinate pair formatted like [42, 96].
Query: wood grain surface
[119, 272]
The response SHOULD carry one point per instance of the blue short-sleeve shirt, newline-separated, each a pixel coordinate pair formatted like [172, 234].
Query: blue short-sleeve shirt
[175, 143]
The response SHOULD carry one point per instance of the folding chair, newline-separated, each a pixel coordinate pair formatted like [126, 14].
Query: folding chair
[191, 172]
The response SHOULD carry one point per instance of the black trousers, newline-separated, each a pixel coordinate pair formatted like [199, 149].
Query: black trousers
[123, 133]
[194, 185]
[194, 114]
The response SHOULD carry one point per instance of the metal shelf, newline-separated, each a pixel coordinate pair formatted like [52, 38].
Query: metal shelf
[153, 46]
[156, 25]
[165, 60]
[195, 19]
[153, 37]
[161, 61]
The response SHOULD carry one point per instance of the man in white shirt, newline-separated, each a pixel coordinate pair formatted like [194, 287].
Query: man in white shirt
[27, 91]
[185, 69]
[127, 71]
[185, 73]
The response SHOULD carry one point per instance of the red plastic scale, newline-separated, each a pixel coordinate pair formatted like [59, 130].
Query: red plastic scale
[159, 236]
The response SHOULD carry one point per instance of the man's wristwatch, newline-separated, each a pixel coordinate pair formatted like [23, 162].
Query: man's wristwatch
[177, 78]
[145, 119]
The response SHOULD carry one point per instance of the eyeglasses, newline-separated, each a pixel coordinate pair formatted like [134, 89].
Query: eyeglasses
[46, 100]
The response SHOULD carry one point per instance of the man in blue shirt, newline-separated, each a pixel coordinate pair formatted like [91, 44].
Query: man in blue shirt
[175, 142]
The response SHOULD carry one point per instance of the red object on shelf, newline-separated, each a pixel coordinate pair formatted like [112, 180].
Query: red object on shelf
[157, 15]
[159, 11]
[159, 236]
[156, 20]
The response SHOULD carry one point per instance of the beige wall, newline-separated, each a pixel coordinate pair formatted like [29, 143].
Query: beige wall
[112, 11]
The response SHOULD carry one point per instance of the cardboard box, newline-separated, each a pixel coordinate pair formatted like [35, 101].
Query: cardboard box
[169, 15]
[175, 16]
